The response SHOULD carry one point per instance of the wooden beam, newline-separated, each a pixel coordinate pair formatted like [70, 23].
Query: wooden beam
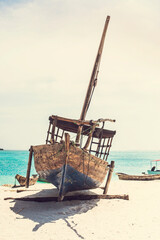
[109, 177]
[93, 80]
[70, 198]
[29, 167]
[53, 130]
[95, 71]
[67, 142]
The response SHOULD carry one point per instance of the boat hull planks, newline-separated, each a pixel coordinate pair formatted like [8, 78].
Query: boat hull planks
[82, 171]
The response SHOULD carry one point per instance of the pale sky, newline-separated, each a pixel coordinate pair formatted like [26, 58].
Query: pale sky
[47, 52]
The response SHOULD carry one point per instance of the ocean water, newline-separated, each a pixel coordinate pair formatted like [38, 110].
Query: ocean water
[131, 162]
[12, 163]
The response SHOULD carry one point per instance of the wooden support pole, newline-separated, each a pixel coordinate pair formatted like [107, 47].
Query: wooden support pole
[67, 142]
[29, 167]
[109, 177]
[53, 130]
[48, 132]
[78, 135]
[69, 198]
[89, 137]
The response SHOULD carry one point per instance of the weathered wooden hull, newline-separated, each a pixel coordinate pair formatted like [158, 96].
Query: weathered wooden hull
[82, 170]
[145, 177]
[22, 180]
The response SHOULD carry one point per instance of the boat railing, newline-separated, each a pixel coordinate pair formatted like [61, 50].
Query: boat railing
[97, 141]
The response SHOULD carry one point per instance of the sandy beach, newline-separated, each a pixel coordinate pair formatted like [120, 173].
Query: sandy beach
[136, 218]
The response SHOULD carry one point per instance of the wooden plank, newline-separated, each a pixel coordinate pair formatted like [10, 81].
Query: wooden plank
[73, 127]
[79, 122]
[75, 121]
[70, 198]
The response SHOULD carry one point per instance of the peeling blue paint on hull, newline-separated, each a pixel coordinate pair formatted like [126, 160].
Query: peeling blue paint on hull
[68, 179]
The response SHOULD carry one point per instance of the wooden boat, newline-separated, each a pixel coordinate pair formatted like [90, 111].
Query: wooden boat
[144, 177]
[80, 164]
[22, 179]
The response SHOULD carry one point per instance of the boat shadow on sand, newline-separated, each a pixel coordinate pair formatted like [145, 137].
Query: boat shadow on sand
[49, 212]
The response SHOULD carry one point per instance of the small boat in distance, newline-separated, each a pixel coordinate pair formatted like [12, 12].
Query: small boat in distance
[80, 164]
[154, 167]
[144, 177]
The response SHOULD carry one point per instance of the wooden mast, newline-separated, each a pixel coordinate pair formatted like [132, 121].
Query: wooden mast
[93, 79]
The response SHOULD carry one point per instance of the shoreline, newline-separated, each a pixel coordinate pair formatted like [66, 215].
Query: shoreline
[93, 219]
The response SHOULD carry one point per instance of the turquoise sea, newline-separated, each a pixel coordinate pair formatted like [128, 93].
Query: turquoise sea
[131, 162]
[11, 163]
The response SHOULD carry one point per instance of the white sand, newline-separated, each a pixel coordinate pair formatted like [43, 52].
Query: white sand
[137, 218]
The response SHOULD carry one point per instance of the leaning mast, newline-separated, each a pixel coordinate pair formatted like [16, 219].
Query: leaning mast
[93, 79]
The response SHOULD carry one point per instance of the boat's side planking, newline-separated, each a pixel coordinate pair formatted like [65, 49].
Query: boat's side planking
[52, 157]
